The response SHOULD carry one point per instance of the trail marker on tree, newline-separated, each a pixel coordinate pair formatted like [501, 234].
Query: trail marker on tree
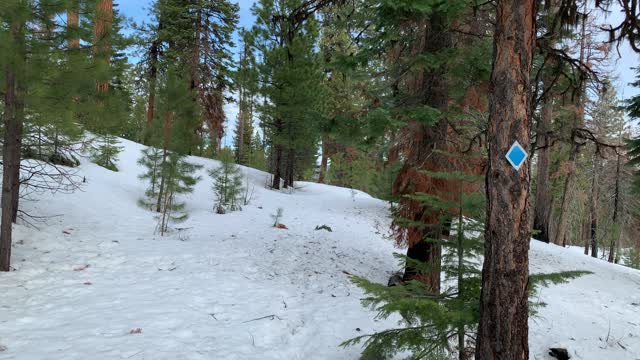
[516, 155]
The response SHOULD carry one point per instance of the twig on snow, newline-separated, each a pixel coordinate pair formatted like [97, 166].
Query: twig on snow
[270, 317]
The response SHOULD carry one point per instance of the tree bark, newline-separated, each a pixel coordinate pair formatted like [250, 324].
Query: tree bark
[102, 38]
[503, 328]
[13, 120]
[593, 209]
[542, 211]
[73, 23]
[543, 204]
[428, 87]
[277, 166]
[616, 201]
[577, 122]
[324, 161]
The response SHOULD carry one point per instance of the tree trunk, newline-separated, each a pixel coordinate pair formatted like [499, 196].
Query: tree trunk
[13, 120]
[277, 166]
[102, 38]
[430, 87]
[616, 201]
[504, 311]
[566, 195]
[73, 23]
[577, 122]
[324, 161]
[542, 211]
[168, 122]
[154, 52]
[593, 209]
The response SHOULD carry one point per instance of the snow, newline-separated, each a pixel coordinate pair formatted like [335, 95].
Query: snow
[233, 287]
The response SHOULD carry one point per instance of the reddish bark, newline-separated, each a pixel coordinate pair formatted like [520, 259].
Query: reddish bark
[503, 329]
[102, 36]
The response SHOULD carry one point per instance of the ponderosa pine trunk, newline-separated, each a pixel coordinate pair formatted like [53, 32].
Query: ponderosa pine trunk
[542, 210]
[578, 120]
[430, 88]
[73, 23]
[13, 120]
[102, 38]
[543, 201]
[276, 164]
[504, 303]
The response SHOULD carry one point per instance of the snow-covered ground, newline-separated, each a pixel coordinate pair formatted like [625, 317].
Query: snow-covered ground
[94, 282]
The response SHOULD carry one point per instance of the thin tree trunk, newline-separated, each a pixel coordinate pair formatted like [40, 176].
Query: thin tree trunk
[578, 121]
[616, 201]
[13, 120]
[73, 23]
[153, 76]
[462, 355]
[277, 166]
[165, 153]
[504, 302]
[324, 161]
[542, 211]
[593, 209]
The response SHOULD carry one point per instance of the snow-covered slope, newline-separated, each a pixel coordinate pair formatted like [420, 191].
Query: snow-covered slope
[232, 287]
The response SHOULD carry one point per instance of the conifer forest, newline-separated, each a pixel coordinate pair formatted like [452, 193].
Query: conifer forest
[320, 179]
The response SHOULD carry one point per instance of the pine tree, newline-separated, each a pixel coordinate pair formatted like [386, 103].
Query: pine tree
[176, 173]
[151, 161]
[227, 183]
[291, 77]
[106, 152]
[246, 83]
[46, 76]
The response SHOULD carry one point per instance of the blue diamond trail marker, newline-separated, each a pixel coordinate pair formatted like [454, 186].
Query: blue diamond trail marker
[516, 155]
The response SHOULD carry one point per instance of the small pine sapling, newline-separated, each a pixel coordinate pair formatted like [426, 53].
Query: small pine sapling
[106, 152]
[227, 184]
[151, 160]
[178, 177]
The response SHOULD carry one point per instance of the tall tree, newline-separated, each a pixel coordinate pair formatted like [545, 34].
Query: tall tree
[102, 42]
[503, 330]
[286, 33]
[15, 16]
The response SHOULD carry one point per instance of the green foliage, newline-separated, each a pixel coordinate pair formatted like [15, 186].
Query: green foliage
[324, 227]
[291, 77]
[151, 160]
[227, 183]
[632, 258]
[176, 174]
[383, 182]
[432, 320]
[106, 152]
[356, 171]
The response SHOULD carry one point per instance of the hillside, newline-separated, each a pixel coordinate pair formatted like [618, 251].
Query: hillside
[232, 287]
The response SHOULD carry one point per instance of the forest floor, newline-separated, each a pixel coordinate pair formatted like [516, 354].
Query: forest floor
[93, 281]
